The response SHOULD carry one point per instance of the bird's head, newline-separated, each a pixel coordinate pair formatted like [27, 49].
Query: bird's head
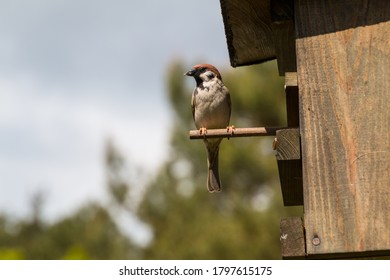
[204, 73]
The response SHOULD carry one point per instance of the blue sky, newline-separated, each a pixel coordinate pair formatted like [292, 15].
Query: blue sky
[74, 73]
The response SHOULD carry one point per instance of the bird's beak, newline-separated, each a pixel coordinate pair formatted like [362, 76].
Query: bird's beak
[190, 73]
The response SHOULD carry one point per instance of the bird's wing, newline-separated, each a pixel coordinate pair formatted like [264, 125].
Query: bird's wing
[229, 102]
[193, 102]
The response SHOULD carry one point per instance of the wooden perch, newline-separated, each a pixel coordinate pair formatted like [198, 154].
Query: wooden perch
[238, 132]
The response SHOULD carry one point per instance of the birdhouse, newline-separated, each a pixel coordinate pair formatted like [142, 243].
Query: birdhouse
[334, 155]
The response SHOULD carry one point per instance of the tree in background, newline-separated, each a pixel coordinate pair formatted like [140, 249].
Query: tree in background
[87, 234]
[90, 232]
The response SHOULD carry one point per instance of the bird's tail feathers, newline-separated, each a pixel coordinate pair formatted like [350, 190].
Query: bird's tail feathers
[213, 181]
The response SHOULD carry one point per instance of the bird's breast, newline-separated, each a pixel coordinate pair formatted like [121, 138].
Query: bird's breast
[211, 108]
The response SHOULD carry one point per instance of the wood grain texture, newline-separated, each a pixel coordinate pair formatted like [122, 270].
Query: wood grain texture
[284, 40]
[288, 156]
[343, 65]
[288, 145]
[282, 14]
[248, 32]
[292, 238]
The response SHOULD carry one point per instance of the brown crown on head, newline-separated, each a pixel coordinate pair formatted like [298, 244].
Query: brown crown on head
[208, 67]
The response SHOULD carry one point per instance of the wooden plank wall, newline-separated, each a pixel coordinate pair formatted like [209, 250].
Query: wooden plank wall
[343, 66]
[248, 31]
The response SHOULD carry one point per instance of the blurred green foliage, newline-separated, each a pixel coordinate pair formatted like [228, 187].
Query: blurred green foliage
[88, 234]
[187, 222]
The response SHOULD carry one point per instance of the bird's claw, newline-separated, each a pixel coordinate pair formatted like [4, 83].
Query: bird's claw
[202, 131]
[230, 129]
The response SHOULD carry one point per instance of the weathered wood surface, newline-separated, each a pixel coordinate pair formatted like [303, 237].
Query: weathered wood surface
[288, 146]
[292, 238]
[282, 15]
[343, 64]
[288, 156]
[248, 31]
[284, 40]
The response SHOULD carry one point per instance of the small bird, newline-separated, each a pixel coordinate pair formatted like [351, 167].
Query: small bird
[211, 109]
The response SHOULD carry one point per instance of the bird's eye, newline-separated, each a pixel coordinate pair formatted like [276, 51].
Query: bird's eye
[210, 75]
